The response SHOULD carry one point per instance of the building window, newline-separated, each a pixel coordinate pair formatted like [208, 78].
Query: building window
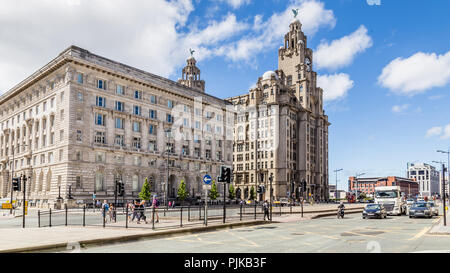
[100, 157]
[137, 161]
[80, 78]
[120, 90]
[135, 180]
[137, 110]
[152, 129]
[100, 101]
[169, 103]
[79, 136]
[153, 99]
[169, 118]
[101, 84]
[152, 146]
[152, 114]
[100, 119]
[80, 96]
[136, 142]
[138, 94]
[136, 126]
[119, 140]
[120, 106]
[119, 123]
[99, 137]
[78, 182]
[99, 182]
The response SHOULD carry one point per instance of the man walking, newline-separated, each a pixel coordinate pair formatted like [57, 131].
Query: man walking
[105, 209]
[266, 210]
[155, 205]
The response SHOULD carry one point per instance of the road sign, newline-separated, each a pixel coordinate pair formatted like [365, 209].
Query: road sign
[6, 206]
[207, 179]
[206, 187]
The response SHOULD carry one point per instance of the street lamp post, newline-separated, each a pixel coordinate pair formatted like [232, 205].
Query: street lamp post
[443, 192]
[448, 162]
[336, 190]
[168, 134]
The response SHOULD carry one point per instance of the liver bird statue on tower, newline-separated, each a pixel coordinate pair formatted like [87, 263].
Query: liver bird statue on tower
[295, 11]
[192, 52]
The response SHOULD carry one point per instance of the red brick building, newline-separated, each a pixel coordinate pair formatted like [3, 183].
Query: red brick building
[367, 185]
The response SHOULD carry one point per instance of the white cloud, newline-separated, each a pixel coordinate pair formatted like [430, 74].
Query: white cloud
[334, 86]
[312, 15]
[237, 3]
[446, 133]
[416, 74]
[151, 35]
[435, 131]
[399, 108]
[146, 34]
[340, 53]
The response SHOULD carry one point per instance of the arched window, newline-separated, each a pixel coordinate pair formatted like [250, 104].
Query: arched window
[49, 181]
[135, 182]
[41, 181]
[99, 182]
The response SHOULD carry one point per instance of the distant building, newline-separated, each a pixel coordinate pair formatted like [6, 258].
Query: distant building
[367, 185]
[427, 176]
[340, 193]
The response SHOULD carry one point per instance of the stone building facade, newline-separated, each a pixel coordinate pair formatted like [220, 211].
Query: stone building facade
[281, 129]
[82, 122]
[427, 176]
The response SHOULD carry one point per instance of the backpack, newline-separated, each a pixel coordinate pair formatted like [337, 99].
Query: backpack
[157, 202]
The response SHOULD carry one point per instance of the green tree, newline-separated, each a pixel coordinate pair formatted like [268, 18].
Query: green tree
[145, 193]
[231, 192]
[182, 192]
[213, 193]
[252, 193]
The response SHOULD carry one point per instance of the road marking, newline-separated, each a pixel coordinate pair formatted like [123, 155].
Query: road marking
[420, 234]
[243, 238]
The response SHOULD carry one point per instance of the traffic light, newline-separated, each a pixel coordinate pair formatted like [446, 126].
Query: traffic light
[120, 189]
[16, 183]
[225, 174]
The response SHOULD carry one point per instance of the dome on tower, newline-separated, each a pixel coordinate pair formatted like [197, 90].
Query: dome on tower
[268, 75]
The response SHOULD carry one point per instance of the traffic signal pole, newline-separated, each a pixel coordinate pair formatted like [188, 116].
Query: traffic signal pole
[443, 195]
[24, 200]
[224, 201]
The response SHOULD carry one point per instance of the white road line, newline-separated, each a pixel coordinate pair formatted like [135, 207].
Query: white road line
[420, 234]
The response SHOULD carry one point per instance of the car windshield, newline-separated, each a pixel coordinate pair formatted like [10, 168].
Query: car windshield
[410, 200]
[373, 206]
[431, 204]
[387, 194]
[420, 205]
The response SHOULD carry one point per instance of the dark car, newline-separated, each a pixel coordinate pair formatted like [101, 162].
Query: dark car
[374, 210]
[420, 209]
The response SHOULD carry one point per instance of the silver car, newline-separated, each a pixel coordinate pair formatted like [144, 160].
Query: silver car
[434, 208]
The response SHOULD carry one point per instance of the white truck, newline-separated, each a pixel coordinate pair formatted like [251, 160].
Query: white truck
[391, 198]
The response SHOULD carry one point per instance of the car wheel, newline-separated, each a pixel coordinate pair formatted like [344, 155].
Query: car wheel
[410, 216]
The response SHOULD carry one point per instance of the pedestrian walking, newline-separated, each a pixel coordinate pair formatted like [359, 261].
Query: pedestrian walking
[170, 204]
[141, 210]
[155, 205]
[112, 213]
[266, 210]
[105, 209]
[135, 208]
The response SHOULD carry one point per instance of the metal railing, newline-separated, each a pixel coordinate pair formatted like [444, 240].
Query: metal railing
[148, 217]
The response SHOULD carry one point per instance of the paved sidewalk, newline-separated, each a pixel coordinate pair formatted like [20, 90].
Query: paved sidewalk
[439, 228]
[62, 237]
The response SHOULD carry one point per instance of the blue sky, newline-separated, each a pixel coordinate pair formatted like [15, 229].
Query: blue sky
[386, 68]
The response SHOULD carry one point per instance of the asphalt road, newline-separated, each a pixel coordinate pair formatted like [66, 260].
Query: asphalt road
[351, 234]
